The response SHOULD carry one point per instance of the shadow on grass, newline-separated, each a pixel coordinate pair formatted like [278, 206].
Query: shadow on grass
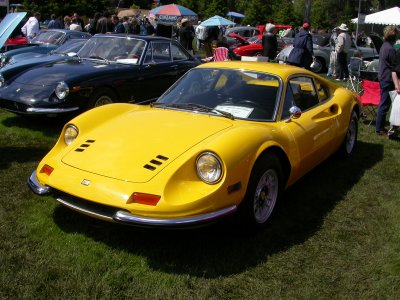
[226, 248]
[50, 126]
[10, 155]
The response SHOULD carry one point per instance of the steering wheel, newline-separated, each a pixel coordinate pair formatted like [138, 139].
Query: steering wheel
[249, 103]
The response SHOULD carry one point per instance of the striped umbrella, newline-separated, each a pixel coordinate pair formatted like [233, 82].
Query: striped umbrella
[172, 13]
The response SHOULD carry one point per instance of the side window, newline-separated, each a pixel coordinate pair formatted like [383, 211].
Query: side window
[304, 94]
[323, 92]
[178, 53]
[161, 52]
[288, 102]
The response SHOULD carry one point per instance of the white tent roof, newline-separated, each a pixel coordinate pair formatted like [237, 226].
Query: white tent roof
[389, 16]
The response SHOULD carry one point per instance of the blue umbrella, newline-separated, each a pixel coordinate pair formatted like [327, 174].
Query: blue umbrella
[235, 15]
[217, 21]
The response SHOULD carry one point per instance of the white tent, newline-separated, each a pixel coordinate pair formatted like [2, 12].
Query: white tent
[389, 16]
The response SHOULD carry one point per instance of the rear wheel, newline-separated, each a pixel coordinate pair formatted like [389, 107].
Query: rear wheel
[101, 97]
[263, 191]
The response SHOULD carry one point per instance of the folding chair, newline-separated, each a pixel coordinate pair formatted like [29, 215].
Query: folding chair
[354, 80]
[221, 54]
[370, 99]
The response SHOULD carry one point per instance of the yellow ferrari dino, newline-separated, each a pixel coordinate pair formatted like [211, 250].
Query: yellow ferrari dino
[226, 137]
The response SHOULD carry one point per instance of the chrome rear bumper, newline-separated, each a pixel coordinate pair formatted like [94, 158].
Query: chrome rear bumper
[117, 215]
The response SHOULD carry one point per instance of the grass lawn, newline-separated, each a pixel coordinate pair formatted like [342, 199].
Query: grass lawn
[336, 235]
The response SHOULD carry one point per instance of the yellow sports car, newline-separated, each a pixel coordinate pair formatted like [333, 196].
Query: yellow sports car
[226, 137]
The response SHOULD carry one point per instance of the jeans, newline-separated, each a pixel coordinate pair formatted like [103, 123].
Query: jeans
[384, 106]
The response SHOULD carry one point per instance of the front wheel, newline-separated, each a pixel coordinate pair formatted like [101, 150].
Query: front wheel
[101, 97]
[263, 191]
[350, 140]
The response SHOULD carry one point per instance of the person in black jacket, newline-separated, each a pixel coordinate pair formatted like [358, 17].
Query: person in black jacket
[269, 42]
[302, 54]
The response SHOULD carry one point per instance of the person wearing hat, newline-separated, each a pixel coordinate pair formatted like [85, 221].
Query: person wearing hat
[269, 42]
[302, 54]
[186, 35]
[343, 46]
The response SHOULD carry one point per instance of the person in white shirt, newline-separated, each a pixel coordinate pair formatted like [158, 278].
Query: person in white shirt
[31, 27]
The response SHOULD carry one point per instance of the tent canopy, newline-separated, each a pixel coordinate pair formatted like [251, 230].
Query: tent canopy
[235, 15]
[389, 16]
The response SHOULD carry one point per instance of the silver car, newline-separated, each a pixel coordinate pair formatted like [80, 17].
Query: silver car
[322, 52]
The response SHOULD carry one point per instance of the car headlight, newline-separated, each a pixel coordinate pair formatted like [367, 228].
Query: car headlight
[2, 81]
[70, 134]
[209, 167]
[62, 90]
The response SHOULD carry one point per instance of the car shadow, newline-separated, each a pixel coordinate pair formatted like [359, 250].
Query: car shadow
[10, 155]
[50, 126]
[227, 248]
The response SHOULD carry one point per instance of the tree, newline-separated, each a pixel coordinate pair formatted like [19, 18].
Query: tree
[257, 13]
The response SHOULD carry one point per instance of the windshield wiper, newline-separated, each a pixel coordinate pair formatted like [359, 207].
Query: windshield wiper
[99, 57]
[194, 107]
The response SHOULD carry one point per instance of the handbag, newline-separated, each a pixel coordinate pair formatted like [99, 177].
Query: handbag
[394, 118]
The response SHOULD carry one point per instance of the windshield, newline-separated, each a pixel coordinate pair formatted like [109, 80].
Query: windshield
[241, 93]
[51, 37]
[113, 49]
[70, 46]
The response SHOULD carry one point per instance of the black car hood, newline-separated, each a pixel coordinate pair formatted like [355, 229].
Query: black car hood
[49, 74]
[377, 40]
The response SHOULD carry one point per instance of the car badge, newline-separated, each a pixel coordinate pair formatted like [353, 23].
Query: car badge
[85, 182]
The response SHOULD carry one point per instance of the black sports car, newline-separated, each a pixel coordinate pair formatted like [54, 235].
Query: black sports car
[108, 68]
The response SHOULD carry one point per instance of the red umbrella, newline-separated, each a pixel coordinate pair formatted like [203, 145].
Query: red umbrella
[172, 13]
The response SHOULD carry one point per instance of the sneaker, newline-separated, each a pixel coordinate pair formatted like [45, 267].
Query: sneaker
[382, 132]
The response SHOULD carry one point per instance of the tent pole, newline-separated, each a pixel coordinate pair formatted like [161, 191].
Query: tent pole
[358, 19]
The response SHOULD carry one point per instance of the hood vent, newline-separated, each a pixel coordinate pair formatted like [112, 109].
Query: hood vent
[84, 146]
[155, 162]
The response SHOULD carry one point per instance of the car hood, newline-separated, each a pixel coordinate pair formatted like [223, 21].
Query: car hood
[8, 24]
[136, 146]
[50, 74]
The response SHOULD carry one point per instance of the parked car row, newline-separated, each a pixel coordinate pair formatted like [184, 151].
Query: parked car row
[193, 143]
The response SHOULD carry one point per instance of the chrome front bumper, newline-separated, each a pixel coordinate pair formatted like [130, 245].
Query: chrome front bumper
[124, 217]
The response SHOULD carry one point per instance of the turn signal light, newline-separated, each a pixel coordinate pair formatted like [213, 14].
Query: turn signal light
[147, 199]
[46, 169]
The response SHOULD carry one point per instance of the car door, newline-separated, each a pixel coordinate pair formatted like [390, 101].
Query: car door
[313, 133]
[163, 63]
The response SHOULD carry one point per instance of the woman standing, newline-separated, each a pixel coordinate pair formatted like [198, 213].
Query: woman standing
[270, 42]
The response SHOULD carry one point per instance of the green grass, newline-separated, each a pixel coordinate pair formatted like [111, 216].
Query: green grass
[336, 235]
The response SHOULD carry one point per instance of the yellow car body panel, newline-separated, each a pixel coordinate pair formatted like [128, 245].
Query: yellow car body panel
[118, 149]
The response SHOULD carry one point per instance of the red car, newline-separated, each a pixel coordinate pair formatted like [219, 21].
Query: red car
[253, 46]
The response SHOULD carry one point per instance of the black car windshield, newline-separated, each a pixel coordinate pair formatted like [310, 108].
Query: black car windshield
[50, 37]
[243, 94]
[126, 50]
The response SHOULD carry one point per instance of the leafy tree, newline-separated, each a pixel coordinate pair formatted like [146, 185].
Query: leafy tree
[216, 7]
[257, 13]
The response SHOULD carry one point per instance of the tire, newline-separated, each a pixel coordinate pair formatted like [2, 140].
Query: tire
[350, 140]
[263, 191]
[101, 97]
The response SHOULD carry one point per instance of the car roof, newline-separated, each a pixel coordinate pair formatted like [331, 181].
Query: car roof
[8, 24]
[281, 70]
[141, 37]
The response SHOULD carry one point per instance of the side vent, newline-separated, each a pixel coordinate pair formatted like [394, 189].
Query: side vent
[84, 146]
[155, 162]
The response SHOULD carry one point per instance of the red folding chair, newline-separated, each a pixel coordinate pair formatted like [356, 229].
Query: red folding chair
[221, 54]
[370, 99]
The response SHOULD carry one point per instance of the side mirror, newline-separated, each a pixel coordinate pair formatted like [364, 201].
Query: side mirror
[295, 112]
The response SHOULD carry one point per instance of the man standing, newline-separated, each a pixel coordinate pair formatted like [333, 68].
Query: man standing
[343, 46]
[31, 27]
[55, 23]
[302, 54]
[387, 80]
[269, 42]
